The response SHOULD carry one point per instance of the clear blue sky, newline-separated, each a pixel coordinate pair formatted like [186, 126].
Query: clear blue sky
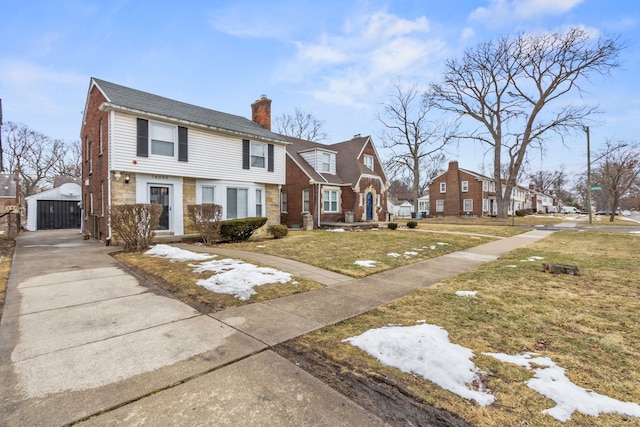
[334, 59]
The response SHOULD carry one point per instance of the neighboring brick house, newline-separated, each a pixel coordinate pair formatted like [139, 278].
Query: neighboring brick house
[142, 148]
[342, 182]
[460, 192]
[11, 205]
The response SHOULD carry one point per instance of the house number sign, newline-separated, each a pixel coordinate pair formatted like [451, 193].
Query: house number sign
[163, 177]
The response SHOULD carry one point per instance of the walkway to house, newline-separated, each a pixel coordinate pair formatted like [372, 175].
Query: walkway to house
[83, 339]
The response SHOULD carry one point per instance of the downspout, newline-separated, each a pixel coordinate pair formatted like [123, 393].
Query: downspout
[318, 203]
[107, 241]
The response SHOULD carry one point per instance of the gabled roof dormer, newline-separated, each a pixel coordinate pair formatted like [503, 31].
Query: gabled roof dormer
[321, 160]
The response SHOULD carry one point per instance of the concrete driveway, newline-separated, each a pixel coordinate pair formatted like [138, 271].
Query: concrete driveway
[80, 336]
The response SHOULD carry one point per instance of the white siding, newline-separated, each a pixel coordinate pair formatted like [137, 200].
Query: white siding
[211, 156]
[314, 158]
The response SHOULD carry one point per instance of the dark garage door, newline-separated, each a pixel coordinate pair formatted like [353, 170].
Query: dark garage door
[58, 214]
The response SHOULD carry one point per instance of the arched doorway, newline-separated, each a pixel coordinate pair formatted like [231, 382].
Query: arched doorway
[369, 211]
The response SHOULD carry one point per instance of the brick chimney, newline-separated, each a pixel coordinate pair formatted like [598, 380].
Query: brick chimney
[453, 197]
[261, 112]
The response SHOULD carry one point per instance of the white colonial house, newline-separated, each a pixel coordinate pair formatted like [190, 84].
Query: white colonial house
[139, 147]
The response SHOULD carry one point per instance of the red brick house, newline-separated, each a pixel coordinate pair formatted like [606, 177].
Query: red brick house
[460, 192]
[342, 182]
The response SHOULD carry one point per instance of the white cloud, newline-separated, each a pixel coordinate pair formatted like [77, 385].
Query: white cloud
[361, 59]
[28, 74]
[501, 12]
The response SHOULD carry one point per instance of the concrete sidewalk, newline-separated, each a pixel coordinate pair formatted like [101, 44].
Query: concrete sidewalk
[82, 339]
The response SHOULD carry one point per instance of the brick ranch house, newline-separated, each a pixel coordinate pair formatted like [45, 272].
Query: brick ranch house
[143, 148]
[342, 182]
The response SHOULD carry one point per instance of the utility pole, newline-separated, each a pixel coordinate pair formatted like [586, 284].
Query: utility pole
[586, 129]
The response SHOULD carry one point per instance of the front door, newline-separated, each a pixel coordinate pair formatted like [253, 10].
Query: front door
[369, 206]
[161, 195]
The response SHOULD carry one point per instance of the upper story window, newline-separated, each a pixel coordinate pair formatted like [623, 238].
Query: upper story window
[326, 162]
[258, 155]
[368, 161]
[443, 187]
[163, 139]
[465, 186]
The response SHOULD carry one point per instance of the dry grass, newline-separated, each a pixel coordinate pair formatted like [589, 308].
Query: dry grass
[588, 325]
[339, 251]
[6, 256]
[179, 279]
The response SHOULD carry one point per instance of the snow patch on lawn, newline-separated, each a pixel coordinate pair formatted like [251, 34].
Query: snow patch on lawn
[337, 230]
[366, 263]
[550, 381]
[425, 350]
[176, 254]
[394, 254]
[532, 259]
[467, 293]
[238, 278]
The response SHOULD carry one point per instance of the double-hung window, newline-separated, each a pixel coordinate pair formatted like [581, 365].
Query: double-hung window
[368, 161]
[163, 139]
[258, 202]
[237, 203]
[305, 200]
[467, 205]
[283, 202]
[465, 186]
[208, 194]
[258, 155]
[443, 187]
[330, 201]
[326, 162]
[439, 205]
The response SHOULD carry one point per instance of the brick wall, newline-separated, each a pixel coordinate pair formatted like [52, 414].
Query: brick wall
[95, 166]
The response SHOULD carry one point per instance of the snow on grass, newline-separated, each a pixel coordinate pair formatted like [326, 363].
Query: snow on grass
[366, 263]
[550, 381]
[238, 278]
[467, 293]
[511, 266]
[337, 230]
[532, 259]
[234, 277]
[176, 254]
[425, 350]
[394, 254]
[408, 254]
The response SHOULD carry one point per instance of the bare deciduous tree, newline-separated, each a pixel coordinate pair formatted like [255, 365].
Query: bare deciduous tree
[617, 172]
[301, 125]
[511, 90]
[415, 140]
[37, 157]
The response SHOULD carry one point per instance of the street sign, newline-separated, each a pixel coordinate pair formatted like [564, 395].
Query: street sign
[597, 187]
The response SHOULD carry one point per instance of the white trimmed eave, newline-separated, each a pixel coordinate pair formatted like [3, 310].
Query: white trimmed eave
[303, 169]
[107, 106]
[376, 177]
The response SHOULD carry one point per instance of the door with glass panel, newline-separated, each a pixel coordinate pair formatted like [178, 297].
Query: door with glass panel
[161, 195]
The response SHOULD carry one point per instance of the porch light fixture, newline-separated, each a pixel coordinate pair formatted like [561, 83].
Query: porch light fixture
[117, 175]
[127, 178]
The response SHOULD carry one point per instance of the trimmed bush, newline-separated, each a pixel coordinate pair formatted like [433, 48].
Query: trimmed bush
[278, 231]
[392, 225]
[412, 224]
[134, 224]
[239, 230]
[519, 213]
[206, 221]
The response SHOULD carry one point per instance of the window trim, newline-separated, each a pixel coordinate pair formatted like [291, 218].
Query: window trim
[253, 156]
[100, 136]
[368, 158]
[443, 187]
[306, 200]
[323, 163]
[440, 205]
[259, 202]
[464, 205]
[464, 186]
[246, 192]
[213, 188]
[283, 202]
[329, 200]
[174, 142]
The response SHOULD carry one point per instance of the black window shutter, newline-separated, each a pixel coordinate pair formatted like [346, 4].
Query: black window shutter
[143, 138]
[246, 154]
[270, 157]
[183, 147]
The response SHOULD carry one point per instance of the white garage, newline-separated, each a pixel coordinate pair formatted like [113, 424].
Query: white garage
[55, 209]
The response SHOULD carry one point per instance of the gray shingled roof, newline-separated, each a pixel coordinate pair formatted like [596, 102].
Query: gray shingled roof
[149, 103]
[348, 168]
